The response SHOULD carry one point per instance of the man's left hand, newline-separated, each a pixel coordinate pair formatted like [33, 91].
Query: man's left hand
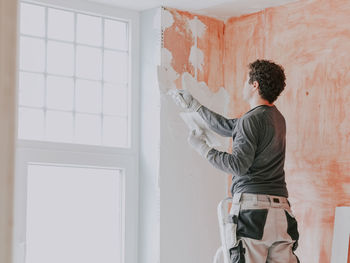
[197, 141]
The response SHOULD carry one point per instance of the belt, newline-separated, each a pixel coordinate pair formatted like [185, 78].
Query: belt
[260, 197]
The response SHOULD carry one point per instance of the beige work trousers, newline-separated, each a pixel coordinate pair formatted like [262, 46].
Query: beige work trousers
[266, 230]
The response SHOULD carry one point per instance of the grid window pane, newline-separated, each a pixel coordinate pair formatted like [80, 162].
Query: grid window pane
[32, 21]
[115, 35]
[115, 100]
[85, 227]
[115, 131]
[60, 58]
[59, 126]
[60, 24]
[115, 67]
[88, 128]
[32, 54]
[60, 93]
[73, 78]
[31, 123]
[88, 96]
[89, 30]
[31, 89]
[89, 63]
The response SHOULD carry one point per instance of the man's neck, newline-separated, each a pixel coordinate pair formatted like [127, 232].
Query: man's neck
[255, 102]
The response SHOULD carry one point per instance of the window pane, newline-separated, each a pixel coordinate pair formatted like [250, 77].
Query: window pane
[69, 91]
[89, 62]
[31, 89]
[60, 24]
[115, 131]
[32, 54]
[60, 93]
[89, 30]
[88, 96]
[60, 58]
[115, 35]
[31, 123]
[59, 126]
[74, 214]
[115, 67]
[32, 20]
[115, 100]
[88, 129]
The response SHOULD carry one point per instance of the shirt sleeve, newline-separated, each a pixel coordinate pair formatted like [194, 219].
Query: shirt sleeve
[243, 151]
[217, 123]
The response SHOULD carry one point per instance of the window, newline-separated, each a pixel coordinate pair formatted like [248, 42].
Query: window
[92, 197]
[76, 183]
[74, 77]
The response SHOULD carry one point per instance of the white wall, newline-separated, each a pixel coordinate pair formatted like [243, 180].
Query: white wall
[150, 136]
[190, 189]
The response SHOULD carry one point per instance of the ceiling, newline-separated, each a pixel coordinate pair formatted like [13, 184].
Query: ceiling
[221, 9]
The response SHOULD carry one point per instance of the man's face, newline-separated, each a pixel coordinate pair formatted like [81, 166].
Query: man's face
[247, 90]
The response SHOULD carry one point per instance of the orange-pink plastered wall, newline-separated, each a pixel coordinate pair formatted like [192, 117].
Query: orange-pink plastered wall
[179, 39]
[311, 39]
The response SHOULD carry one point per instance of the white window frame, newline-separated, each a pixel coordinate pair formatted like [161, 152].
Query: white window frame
[28, 151]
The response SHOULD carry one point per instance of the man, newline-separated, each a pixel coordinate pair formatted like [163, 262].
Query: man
[265, 228]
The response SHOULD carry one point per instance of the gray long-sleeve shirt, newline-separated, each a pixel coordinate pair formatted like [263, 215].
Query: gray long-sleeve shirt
[258, 152]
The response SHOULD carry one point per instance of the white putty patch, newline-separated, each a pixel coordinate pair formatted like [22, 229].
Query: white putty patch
[167, 19]
[197, 27]
[217, 102]
[197, 58]
[166, 57]
[167, 75]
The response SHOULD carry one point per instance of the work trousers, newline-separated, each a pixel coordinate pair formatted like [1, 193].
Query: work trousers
[266, 230]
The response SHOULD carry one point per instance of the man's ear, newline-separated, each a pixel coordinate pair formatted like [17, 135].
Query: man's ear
[255, 85]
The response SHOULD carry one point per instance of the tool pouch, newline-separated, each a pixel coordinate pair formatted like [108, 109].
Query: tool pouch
[231, 227]
[228, 226]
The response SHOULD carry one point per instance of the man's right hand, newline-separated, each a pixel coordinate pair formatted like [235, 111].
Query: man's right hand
[184, 99]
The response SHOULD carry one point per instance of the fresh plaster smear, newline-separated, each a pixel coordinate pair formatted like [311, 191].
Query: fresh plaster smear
[217, 101]
[197, 58]
[197, 27]
[196, 55]
[168, 71]
[167, 18]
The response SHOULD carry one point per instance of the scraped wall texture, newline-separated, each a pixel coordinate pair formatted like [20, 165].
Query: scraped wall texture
[196, 45]
[311, 39]
[190, 188]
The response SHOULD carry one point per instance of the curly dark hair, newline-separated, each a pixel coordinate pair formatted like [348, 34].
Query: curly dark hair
[270, 76]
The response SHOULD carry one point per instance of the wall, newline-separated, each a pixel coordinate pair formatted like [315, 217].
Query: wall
[311, 40]
[190, 189]
[149, 221]
[8, 45]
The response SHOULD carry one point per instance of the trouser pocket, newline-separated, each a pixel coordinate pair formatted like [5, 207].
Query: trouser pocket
[251, 223]
[292, 229]
[237, 254]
